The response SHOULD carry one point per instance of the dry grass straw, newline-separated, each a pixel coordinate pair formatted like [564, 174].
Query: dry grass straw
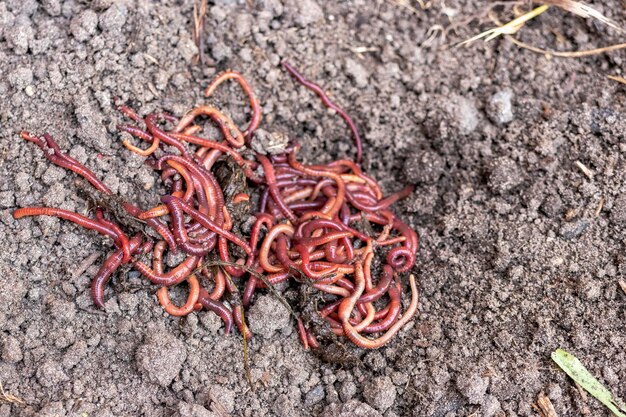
[575, 7]
[7, 397]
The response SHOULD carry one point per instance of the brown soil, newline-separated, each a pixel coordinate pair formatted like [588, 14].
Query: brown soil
[521, 251]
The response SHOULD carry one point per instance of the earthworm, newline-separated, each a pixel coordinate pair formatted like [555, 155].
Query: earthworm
[217, 307]
[270, 179]
[256, 114]
[151, 120]
[192, 298]
[65, 161]
[173, 277]
[328, 103]
[80, 220]
[231, 133]
[364, 342]
[121, 236]
[336, 222]
[107, 269]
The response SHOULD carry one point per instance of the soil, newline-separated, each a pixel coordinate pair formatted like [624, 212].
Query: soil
[519, 173]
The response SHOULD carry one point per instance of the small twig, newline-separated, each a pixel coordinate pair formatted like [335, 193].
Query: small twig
[246, 364]
[588, 173]
[599, 208]
[622, 284]
[85, 264]
[571, 54]
[617, 78]
[199, 14]
[7, 397]
[217, 406]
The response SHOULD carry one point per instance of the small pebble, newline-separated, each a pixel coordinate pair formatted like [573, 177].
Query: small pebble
[499, 107]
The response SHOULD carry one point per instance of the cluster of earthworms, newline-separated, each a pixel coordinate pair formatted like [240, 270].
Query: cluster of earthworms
[325, 226]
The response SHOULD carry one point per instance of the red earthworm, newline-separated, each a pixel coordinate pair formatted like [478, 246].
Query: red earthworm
[189, 188]
[307, 229]
[263, 200]
[229, 130]
[332, 289]
[328, 103]
[214, 155]
[263, 256]
[382, 204]
[179, 232]
[248, 292]
[364, 342]
[192, 298]
[223, 147]
[365, 321]
[312, 242]
[298, 194]
[303, 334]
[219, 282]
[332, 211]
[130, 113]
[281, 253]
[241, 324]
[299, 182]
[157, 256]
[192, 130]
[306, 205]
[65, 161]
[143, 152]
[203, 201]
[393, 311]
[401, 258]
[80, 220]
[222, 247]
[255, 118]
[262, 219]
[217, 307]
[155, 224]
[270, 178]
[274, 279]
[136, 132]
[160, 210]
[209, 184]
[313, 343]
[240, 198]
[219, 285]
[175, 276]
[107, 269]
[151, 121]
[209, 224]
[121, 236]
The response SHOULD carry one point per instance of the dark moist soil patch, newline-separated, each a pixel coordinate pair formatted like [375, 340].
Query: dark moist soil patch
[521, 251]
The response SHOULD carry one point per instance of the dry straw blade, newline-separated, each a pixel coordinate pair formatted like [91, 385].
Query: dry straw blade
[584, 10]
[508, 29]
[575, 7]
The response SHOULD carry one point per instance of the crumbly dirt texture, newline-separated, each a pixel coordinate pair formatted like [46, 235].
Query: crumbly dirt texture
[522, 249]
